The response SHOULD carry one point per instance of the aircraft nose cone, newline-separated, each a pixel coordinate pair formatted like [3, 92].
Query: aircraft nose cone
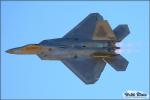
[13, 51]
[28, 49]
[10, 51]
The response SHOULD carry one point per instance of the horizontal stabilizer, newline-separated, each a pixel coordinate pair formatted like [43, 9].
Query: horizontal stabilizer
[121, 31]
[118, 62]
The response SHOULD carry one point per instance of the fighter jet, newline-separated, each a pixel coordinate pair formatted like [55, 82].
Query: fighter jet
[85, 49]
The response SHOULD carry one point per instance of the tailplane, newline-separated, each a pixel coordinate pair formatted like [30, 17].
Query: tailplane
[118, 62]
[121, 31]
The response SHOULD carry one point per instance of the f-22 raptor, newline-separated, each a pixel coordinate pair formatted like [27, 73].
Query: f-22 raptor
[85, 49]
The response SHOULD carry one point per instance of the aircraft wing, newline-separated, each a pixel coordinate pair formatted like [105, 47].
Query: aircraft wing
[87, 69]
[93, 27]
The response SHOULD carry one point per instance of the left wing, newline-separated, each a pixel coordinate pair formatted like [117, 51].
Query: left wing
[85, 28]
[93, 27]
[87, 69]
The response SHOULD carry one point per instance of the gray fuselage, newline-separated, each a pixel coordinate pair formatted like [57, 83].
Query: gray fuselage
[62, 48]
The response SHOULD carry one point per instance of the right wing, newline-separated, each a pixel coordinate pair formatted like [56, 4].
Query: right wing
[87, 69]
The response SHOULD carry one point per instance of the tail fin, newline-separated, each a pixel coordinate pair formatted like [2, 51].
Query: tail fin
[117, 62]
[121, 31]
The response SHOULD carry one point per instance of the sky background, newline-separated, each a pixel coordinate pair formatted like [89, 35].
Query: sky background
[28, 77]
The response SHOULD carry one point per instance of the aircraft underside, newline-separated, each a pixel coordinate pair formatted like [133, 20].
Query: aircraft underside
[85, 49]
